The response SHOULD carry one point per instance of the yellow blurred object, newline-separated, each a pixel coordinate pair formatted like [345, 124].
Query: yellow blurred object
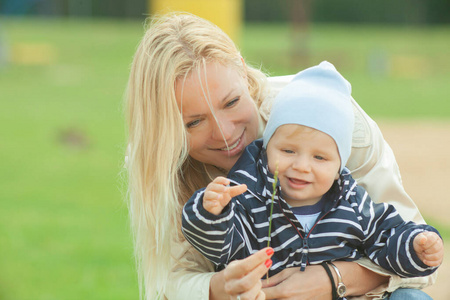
[227, 14]
[33, 54]
[410, 66]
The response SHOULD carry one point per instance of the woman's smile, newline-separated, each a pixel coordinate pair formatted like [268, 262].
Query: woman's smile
[234, 148]
[229, 148]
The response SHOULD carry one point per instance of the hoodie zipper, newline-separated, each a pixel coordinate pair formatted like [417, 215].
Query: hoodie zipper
[305, 248]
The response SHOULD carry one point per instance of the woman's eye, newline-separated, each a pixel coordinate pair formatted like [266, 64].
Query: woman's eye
[232, 102]
[192, 124]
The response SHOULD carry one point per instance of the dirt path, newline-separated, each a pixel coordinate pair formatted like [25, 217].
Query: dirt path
[422, 150]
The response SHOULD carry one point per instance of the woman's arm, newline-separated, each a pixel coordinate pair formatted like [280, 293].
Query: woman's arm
[372, 164]
[190, 275]
[316, 284]
[358, 279]
[374, 167]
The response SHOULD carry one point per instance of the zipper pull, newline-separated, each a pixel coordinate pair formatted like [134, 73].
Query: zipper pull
[305, 251]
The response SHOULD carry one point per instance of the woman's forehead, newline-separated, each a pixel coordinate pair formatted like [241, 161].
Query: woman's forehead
[213, 82]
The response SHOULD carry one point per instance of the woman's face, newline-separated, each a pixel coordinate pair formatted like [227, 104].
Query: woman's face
[217, 134]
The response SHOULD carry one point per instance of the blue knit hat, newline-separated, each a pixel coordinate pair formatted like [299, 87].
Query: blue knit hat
[320, 98]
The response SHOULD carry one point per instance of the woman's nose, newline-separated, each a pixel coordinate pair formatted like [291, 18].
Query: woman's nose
[222, 129]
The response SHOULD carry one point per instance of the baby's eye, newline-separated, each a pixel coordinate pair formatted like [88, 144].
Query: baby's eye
[192, 124]
[288, 151]
[318, 157]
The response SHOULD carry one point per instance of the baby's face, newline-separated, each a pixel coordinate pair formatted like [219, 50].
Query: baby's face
[308, 163]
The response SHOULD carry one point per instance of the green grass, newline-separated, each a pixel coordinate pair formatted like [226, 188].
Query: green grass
[63, 223]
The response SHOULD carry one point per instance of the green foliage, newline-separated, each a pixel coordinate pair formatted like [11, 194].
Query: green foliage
[350, 11]
[63, 221]
[395, 72]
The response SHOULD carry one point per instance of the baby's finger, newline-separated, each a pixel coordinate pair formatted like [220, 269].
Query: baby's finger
[419, 242]
[221, 180]
[237, 190]
[422, 239]
[432, 240]
[433, 260]
[217, 187]
[212, 196]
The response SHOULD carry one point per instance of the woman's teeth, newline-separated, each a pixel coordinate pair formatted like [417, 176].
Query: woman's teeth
[231, 147]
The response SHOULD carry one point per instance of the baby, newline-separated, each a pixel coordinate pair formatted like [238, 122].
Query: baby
[319, 214]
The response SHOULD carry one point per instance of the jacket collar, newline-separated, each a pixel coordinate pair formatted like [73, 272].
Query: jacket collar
[252, 169]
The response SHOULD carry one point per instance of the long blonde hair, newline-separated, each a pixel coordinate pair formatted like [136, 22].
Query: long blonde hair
[161, 175]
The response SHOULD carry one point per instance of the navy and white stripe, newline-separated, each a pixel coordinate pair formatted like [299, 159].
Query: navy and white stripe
[349, 227]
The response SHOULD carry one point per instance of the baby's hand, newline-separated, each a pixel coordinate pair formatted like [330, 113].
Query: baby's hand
[218, 194]
[429, 248]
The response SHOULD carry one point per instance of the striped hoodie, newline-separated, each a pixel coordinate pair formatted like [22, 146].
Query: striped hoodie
[350, 226]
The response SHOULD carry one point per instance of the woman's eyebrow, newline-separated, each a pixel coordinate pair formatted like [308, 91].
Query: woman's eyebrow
[224, 99]
[194, 116]
[228, 95]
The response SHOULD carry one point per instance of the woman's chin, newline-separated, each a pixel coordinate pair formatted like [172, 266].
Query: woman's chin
[226, 164]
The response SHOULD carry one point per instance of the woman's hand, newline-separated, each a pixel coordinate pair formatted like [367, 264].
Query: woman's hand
[290, 283]
[314, 283]
[242, 278]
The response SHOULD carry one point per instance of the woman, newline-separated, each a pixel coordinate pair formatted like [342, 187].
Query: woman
[193, 105]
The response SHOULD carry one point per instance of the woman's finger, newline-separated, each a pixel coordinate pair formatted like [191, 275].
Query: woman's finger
[251, 293]
[281, 276]
[243, 277]
[247, 287]
[261, 296]
[239, 268]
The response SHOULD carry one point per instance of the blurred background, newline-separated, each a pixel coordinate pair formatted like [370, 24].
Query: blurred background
[64, 64]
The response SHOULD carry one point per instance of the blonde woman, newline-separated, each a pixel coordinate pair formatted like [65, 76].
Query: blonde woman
[193, 105]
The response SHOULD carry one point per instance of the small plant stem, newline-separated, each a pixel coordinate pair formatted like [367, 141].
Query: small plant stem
[274, 187]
